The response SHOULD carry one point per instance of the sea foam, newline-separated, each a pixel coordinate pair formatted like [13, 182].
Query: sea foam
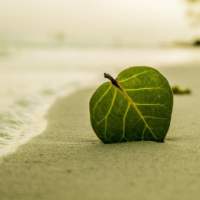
[25, 117]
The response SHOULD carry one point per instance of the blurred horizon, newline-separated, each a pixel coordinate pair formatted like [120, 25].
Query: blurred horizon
[122, 23]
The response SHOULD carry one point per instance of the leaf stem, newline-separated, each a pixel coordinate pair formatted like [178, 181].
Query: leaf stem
[113, 81]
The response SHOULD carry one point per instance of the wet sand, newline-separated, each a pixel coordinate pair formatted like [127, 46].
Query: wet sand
[67, 161]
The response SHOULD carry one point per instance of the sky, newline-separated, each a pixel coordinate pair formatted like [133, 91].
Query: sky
[95, 22]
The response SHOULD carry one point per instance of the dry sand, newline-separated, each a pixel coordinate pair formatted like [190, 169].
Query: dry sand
[68, 162]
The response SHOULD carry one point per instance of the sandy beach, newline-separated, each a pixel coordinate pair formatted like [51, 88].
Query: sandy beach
[53, 56]
[67, 161]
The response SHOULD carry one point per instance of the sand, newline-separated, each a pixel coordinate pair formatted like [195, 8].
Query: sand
[67, 161]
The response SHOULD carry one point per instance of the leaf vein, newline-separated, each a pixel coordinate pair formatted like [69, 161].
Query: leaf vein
[101, 98]
[143, 132]
[141, 89]
[154, 117]
[133, 76]
[108, 113]
[138, 112]
[124, 121]
[149, 104]
[110, 108]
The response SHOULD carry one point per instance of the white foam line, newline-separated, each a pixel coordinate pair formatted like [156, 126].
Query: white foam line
[38, 123]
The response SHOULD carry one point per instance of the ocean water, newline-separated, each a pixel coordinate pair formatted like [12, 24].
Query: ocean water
[32, 79]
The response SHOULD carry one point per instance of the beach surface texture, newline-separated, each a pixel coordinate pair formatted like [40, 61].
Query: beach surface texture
[67, 161]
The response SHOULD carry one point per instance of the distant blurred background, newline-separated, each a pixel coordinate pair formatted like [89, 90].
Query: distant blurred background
[98, 23]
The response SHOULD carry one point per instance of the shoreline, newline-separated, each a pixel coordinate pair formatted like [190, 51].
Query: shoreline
[67, 161]
[24, 119]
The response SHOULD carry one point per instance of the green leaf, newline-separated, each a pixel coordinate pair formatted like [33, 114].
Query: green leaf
[137, 105]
